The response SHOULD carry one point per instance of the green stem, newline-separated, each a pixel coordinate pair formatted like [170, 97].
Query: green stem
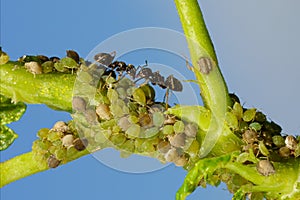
[54, 90]
[25, 165]
[213, 87]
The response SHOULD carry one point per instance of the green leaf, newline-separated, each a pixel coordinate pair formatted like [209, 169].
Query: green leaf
[10, 112]
[7, 136]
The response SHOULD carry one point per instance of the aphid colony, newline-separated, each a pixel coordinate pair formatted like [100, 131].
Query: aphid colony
[263, 142]
[41, 64]
[58, 144]
[124, 114]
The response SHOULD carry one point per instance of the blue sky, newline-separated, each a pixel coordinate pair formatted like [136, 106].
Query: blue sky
[257, 44]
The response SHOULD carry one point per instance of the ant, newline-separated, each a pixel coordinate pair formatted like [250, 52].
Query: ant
[136, 74]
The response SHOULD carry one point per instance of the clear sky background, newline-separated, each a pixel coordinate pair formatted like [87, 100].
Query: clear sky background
[257, 43]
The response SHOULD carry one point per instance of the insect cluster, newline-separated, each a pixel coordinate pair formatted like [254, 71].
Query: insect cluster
[125, 115]
[41, 64]
[57, 144]
[263, 142]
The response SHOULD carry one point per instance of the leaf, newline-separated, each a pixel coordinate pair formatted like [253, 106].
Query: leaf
[10, 112]
[7, 136]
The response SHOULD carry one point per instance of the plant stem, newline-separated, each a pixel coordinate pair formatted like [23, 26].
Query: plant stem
[213, 87]
[54, 90]
[25, 165]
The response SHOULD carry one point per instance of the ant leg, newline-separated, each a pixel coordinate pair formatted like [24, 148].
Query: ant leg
[166, 98]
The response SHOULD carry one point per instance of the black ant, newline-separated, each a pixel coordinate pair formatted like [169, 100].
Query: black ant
[136, 74]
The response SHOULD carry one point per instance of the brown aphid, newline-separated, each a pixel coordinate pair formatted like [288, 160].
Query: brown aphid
[34, 67]
[284, 152]
[53, 162]
[124, 123]
[178, 140]
[145, 120]
[54, 59]
[78, 104]
[103, 111]
[172, 155]
[181, 161]
[190, 130]
[169, 120]
[80, 144]
[265, 167]
[105, 58]
[90, 116]
[60, 126]
[291, 142]
[163, 147]
[205, 65]
[42, 58]
[250, 136]
[73, 54]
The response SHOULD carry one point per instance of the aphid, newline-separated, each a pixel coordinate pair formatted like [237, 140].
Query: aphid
[263, 149]
[54, 59]
[60, 126]
[42, 58]
[284, 152]
[205, 65]
[80, 144]
[124, 123]
[265, 167]
[103, 111]
[278, 140]
[78, 104]
[177, 140]
[163, 147]
[105, 58]
[291, 142]
[33, 67]
[53, 162]
[169, 120]
[73, 54]
[145, 120]
[172, 155]
[250, 136]
[67, 140]
[190, 130]
[181, 161]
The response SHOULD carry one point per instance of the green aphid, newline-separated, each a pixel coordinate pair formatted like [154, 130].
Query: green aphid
[232, 120]
[149, 93]
[297, 150]
[255, 126]
[60, 67]
[178, 127]
[43, 133]
[128, 146]
[116, 110]
[118, 139]
[260, 117]
[148, 146]
[263, 149]
[47, 67]
[112, 95]
[84, 77]
[133, 131]
[237, 110]
[243, 125]
[122, 92]
[249, 115]
[150, 132]
[168, 130]
[53, 136]
[139, 96]
[158, 119]
[133, 119]
[69, 63]
[60, 153]
[278, 140]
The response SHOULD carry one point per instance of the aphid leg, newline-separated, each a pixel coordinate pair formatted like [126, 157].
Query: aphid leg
[166, 98]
